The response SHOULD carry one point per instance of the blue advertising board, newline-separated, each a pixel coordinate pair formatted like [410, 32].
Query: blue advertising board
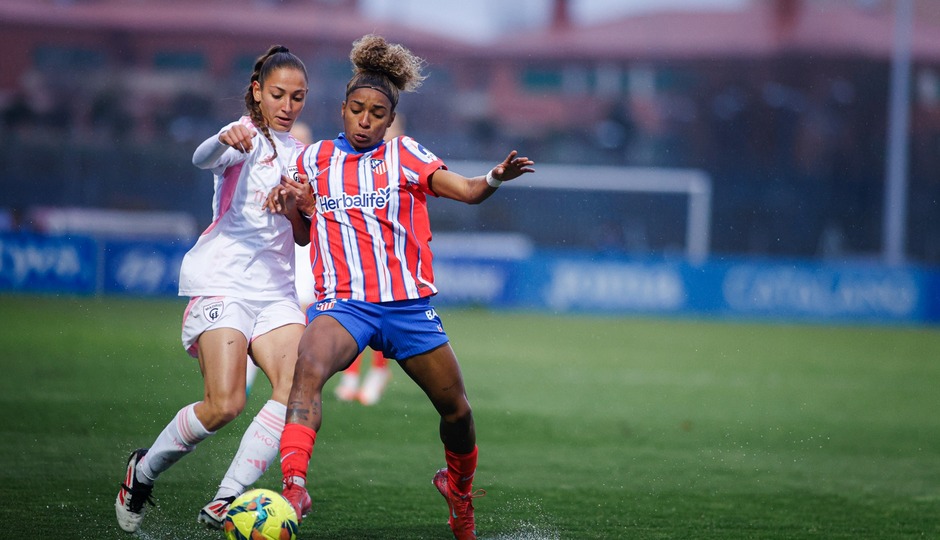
[802, 290]
[142, 268]
[32, 262]
[851, 292]
[554, 282]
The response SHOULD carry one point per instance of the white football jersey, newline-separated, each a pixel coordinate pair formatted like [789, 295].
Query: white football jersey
[247, 251]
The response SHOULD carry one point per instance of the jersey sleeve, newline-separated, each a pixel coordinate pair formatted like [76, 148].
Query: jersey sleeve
[418, 163]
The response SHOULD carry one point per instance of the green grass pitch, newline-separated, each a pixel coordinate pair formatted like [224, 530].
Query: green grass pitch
[588, 428]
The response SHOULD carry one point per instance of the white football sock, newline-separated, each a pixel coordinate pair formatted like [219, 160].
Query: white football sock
[259, 447]
[176, 440]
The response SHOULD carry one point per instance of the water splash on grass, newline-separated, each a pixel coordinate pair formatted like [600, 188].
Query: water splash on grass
[536, 526]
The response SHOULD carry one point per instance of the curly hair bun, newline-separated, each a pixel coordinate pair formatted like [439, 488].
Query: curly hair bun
[372, 54]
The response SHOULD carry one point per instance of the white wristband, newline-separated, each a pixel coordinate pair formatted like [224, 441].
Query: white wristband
[494, 183]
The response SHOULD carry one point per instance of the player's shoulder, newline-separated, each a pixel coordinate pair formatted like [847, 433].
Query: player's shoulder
[294, 146]
[400, 140]
[415, 148]
[314, 152]
[316, 147]
[246, 122]
[296, 143]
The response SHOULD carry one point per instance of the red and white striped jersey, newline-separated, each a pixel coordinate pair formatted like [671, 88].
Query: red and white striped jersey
[370, 236]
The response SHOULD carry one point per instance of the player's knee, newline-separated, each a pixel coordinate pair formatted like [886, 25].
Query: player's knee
[224, 409]
[312, 371]
[459, 413]
[281, 386]
[230, 411]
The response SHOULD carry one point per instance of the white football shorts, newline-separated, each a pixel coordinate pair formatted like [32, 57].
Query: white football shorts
[252, 318]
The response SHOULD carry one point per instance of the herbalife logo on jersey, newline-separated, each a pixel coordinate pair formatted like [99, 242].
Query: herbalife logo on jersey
[369, 199]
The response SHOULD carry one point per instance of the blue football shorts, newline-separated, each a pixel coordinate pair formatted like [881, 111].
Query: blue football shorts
[399, 329]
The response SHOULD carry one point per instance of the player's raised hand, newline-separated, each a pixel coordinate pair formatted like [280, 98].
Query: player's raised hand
[512, 167]
[238, 137]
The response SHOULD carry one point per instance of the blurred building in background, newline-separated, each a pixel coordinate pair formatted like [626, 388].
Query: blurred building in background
[783, 103]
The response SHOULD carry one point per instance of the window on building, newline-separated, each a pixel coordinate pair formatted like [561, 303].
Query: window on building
[65, 57]
[179, 60]
[543, 79]
[244, 63]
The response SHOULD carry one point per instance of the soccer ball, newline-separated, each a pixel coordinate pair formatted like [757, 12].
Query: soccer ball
[260, 514]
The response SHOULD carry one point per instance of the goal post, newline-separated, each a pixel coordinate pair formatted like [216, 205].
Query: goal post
[695, 184]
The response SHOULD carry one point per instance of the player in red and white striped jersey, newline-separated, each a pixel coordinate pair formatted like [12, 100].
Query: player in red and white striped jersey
[371, 236]
[371, 258]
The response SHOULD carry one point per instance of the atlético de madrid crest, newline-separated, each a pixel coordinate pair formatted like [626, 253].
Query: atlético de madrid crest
[378, 166]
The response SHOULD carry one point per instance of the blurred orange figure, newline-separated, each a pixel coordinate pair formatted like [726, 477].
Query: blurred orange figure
[373, 386]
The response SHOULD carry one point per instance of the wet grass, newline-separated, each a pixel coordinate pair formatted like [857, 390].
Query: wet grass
[587, 428]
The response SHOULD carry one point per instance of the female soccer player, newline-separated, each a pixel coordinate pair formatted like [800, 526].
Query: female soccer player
[371, 260]
[240, 277]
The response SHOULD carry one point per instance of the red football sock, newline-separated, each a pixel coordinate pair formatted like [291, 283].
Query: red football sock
[460, 470]
[296, 447]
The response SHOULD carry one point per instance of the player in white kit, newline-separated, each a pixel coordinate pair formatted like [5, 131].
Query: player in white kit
[240, 278]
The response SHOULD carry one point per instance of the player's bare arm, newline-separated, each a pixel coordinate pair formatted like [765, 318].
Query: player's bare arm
[451, 185]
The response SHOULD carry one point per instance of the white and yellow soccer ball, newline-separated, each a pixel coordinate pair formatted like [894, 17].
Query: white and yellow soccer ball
[260, 514]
